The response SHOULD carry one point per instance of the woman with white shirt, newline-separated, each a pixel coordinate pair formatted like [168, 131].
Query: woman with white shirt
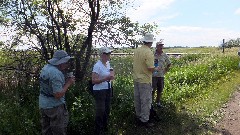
[102, 75]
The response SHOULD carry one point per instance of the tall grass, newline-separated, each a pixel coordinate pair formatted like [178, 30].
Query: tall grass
[191, 79]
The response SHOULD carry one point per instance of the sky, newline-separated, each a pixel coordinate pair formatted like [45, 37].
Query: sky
[191, 23]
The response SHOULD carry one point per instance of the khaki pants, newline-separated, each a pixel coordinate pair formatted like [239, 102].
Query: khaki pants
[142, 100]
[54, 120]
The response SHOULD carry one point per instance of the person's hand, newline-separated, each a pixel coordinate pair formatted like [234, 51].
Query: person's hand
[109, 77]
[164, 71]
[71, 80]
[157, 68]
[112, 74]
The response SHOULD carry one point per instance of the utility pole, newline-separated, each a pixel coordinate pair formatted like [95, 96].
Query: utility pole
[223, 45]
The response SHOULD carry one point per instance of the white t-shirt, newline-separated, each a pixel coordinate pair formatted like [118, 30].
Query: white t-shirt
[103, 72]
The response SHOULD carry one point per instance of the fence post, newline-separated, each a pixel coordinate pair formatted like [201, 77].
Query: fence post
[223, 45]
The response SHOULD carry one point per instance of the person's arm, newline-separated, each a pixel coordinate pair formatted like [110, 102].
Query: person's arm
[152, 69]
[168, 64]
[168, 67]
[150, 61]
[97, 80]
[112, 73]
[69, 82]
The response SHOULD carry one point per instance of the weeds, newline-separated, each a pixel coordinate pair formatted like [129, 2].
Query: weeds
[194, 89]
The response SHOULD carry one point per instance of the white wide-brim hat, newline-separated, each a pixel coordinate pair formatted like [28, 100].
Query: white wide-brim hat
[59, 57]
[148, 38]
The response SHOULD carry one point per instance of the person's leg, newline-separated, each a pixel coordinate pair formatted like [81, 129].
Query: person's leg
[59, 124]
[160, 86]
[146, 101]
[154, 87]
[58, 119]
[45, 123]
[99, 97]
[137, 102]
[107, 108]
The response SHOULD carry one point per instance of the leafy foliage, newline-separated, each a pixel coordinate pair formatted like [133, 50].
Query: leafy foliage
[191, 78]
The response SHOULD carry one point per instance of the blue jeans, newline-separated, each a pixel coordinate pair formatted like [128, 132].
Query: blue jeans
[102, 106]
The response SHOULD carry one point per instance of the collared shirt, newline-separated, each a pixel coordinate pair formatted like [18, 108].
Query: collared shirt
[103, 72]
[162, 61]
[143, 59]
[52, 81]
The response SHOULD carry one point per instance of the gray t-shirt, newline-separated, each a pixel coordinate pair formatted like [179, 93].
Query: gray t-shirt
[163, 60]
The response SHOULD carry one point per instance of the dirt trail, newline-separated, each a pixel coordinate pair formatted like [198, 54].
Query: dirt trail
[230, 123]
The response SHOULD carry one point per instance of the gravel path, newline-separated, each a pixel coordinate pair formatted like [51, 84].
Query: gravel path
[230, 123]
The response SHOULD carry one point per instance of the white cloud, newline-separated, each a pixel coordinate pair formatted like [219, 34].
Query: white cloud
[195, 36]
[237, 11]
[162, 19]
[147, 9]
[160, 11]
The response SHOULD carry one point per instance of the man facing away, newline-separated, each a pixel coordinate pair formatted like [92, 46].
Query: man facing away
[143, 66]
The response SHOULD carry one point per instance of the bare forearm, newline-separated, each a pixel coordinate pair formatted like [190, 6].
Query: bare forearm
[60, 94]
[167, 68]
[151, 69]
[97, 81]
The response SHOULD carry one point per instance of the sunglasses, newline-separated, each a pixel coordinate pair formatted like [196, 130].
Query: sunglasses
[107, 53]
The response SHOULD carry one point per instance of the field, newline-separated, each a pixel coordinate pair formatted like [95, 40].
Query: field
[196, 86]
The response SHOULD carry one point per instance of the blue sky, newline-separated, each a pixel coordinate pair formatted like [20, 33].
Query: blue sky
[190, 22]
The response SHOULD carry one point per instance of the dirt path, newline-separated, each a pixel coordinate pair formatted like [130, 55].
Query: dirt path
[230, 123]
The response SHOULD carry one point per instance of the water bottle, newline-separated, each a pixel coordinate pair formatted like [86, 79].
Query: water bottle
[155, 65]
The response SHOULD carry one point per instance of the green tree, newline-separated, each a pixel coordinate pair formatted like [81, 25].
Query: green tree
[233, 43]
[74, 26]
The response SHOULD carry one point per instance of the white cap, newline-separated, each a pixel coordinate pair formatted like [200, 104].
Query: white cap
[104, 50]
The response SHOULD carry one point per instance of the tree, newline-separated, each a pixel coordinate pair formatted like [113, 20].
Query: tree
[52, 25]
[233, 43]
[72, 25]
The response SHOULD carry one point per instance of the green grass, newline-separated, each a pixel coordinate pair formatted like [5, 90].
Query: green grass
[196, 116]
[212, 50]
[196, 87]
[215, 96]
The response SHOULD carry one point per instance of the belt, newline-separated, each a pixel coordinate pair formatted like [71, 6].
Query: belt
[46, 94]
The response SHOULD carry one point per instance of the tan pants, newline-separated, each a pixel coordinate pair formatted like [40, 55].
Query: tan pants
[54, 121]
[142, 100]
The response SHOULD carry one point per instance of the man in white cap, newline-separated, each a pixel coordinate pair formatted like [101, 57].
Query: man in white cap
[162, 65]
[53, 86]
[143, 66]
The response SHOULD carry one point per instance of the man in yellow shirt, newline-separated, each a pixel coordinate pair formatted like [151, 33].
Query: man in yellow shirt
[143, 66]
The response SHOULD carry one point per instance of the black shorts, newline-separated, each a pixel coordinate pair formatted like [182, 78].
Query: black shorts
[158, 83]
